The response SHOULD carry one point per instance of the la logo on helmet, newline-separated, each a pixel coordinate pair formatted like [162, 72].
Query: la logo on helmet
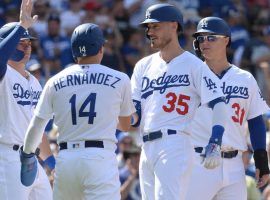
[147, 14]
[204, 24]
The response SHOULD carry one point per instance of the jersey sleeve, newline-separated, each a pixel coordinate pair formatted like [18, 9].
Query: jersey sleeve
[258, 105]
[136, 82]
[127, 107]
[207, 84]
[44, 105]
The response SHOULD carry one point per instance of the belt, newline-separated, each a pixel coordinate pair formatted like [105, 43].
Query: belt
[156, 135]
[224, 154]
[89, 143]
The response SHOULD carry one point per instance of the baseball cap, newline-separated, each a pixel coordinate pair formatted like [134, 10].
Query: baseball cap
[33, 65]
[123, 135]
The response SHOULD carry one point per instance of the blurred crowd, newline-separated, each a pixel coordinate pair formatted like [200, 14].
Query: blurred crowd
[126, 44]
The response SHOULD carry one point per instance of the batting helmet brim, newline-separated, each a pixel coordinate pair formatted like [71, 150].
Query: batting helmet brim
[147, 21]
[30, 38]
[202, 31]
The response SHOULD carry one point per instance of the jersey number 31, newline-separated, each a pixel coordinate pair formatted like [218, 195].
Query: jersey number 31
[89, 102]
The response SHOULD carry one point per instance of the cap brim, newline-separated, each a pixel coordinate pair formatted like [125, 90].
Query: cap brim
[28, 38]
[147, 21]
[201, 31]
[34, 67]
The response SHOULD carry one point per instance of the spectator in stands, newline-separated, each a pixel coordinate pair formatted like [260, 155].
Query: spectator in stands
[73, 16]
[35, 68]
[125, 142]
[56, 47]
[129, 175]
[132, 51]
[256, 52]
[112, 57]
[42, 9]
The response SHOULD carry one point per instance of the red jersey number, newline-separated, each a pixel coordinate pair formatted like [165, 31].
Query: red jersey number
[176, 103]
[239, 113]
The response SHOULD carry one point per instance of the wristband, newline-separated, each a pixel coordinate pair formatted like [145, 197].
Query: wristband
[261, 161]
[49, 162]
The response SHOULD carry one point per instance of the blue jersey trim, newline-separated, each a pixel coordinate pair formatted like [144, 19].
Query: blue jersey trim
[212, 103]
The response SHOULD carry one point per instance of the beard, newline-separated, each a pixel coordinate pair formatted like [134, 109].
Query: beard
[161, 42]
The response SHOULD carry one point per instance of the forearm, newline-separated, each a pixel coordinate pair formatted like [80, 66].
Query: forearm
[136, 117]
[8, 46]
[34, 134]
[45, 150]
[125, 188]
[218, 122]
[258, 140]
[124, 123]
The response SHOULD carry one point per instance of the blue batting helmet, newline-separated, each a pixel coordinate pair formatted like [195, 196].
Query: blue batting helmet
[9, 27]
[213, 25]
[86, 40]
[163, 13]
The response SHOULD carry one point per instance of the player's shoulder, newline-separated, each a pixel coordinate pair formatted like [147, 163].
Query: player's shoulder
[113, 72]
[34, 79]
[244, 74]
[69, 70]
[192, 60]
[145, 61]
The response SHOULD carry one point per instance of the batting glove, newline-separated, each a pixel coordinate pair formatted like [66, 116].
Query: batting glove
[28, 168]
[211, 156]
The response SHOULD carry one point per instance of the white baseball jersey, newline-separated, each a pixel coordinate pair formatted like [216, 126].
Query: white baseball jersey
[244, 101]
[86, 102]
[171, 92]
[18, 98]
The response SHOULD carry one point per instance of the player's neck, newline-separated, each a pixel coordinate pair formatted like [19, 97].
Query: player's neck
[89, 60]
[218, 66]
[19, 67]
[170, 52]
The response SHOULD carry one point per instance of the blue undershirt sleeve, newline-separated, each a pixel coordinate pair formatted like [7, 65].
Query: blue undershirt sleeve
[257, 131]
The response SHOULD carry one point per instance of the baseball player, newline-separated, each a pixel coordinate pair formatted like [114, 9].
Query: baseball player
[87, 100]
[245, 104]
[167, 88]
[19, 93]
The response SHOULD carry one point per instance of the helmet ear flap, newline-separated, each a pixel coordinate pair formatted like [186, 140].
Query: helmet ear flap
[197, 50]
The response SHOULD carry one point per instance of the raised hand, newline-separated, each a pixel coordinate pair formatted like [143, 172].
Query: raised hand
[26, 19]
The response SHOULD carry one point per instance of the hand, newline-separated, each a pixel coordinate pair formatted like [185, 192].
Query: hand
[28, 168]
[261, 181]
[211, 156]
[26, 20]
[133, 169]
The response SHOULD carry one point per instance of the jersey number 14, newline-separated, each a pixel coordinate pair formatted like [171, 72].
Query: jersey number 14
[89, 103]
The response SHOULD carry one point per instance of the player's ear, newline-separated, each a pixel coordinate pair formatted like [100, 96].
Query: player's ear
[227, 41]
[175, 25]
[101, 50]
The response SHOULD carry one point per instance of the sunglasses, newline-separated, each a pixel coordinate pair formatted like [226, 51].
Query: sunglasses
[209, 38]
